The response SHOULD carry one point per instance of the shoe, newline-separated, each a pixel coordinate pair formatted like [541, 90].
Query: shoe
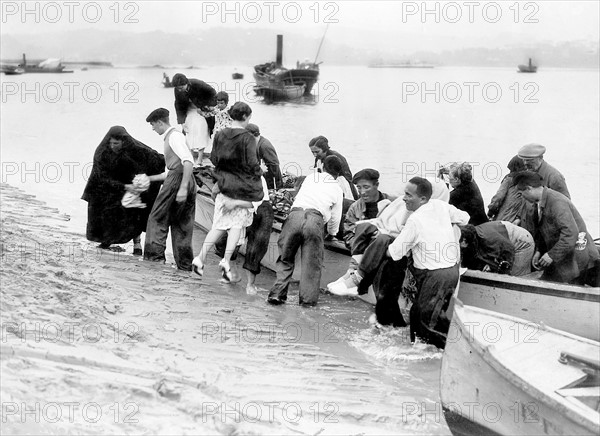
[275, 301]
[342, 290]
[226, 270]
[198, 266]
[346, 275]
[137, 251]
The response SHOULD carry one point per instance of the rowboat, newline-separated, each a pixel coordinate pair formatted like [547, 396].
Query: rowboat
[503, 375]
[13, 71]
[573, 309]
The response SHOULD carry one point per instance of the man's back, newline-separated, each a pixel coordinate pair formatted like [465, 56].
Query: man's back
[321, 191]
[553, 179]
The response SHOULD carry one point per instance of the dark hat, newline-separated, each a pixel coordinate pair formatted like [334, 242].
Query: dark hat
[158, 114]
[531, 150]
[179, 79]
[366, 174]
[253, 128]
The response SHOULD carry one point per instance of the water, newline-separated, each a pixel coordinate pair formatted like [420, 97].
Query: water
[386, 119]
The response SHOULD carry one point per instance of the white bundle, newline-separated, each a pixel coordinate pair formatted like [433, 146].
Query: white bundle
[141, 182]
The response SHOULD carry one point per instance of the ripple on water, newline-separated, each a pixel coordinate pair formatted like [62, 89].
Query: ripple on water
[389, 344]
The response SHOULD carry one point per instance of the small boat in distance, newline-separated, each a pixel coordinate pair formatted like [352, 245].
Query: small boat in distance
[166, 81]
[12, 70]
[237, 76]
[47, 66]
[530, 68]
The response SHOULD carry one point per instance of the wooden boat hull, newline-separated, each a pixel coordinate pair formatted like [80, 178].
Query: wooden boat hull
[308, 77]
[14, 72]
[501, 376]
[527, 68]
[553, 304]
[287, 92]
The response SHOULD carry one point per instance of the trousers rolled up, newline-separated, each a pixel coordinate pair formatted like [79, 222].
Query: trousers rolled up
[302, 230]
[387, 285]
[167, 214]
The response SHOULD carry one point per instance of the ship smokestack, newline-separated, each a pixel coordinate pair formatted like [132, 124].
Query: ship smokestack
[279, 57]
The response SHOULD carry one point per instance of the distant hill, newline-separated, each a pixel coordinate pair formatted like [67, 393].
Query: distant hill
[243, 46]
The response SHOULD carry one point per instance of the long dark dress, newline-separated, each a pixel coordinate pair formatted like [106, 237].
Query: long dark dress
[108, 221]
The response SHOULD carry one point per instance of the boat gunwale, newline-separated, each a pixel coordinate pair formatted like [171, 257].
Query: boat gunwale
[531, 286]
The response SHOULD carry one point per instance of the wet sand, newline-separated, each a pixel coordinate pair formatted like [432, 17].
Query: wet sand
[101, 342]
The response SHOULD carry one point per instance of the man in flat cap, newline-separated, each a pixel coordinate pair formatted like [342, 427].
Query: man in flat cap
[533, 158]
[564, 248]
[369, 205]
[193, 102]
[175, 205]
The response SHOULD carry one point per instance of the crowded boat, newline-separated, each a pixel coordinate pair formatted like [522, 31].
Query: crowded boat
[415, 245]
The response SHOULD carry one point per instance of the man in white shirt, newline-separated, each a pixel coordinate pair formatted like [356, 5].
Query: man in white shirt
[175, 205]
[318, 202]
[430, 237]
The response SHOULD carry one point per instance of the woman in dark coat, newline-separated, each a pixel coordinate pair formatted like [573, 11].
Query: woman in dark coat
[117, 160]
[508, 204]
[465, 194]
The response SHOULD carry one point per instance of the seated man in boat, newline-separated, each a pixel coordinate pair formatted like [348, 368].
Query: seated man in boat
[317, 204]
[319, 146]
[194, 99]
[497, 246]
[370, 205]
[564, 249]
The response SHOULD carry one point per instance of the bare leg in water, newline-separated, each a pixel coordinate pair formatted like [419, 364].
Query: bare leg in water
[137, 245]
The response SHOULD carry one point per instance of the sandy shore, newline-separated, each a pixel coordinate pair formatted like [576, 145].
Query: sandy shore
[98, 342]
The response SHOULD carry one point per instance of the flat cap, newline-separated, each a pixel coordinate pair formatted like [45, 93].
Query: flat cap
[157, 114]
[366, 174]
[532, 150]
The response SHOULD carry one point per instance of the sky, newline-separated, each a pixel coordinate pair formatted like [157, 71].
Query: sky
[359, 23]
